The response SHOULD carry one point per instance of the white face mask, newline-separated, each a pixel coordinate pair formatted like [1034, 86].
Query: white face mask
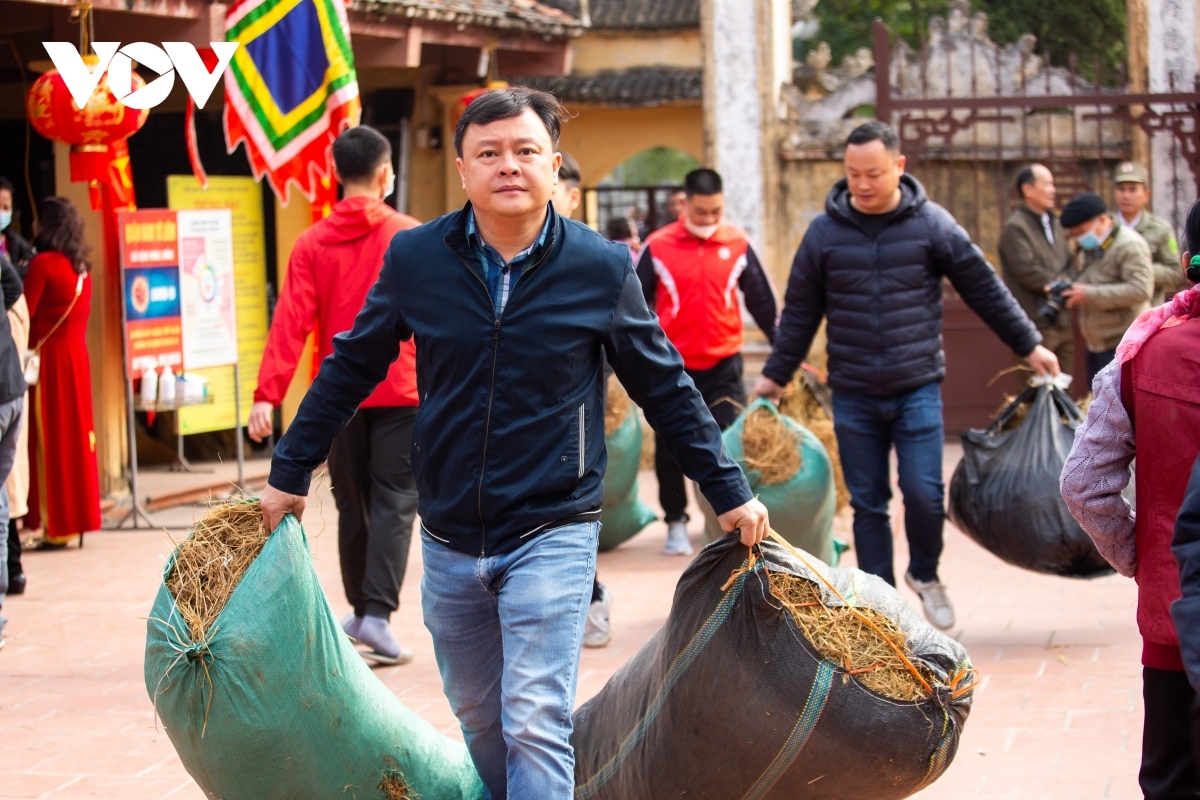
[390, 186]
[700, 231]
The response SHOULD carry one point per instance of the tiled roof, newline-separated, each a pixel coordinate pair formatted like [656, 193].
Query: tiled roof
[512, 14]
[636, 14]
[637, 87]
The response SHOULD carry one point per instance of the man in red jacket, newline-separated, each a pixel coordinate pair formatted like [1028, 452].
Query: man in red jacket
[690, 270]
[333, 266]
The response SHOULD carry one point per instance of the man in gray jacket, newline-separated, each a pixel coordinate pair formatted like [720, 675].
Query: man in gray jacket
[1034, 250]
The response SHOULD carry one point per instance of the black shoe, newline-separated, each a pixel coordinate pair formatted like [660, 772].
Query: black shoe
[16, 584]
[45, 545]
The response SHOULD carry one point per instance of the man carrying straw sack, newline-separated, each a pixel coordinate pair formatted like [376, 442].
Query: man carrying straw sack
[689, 269]
[511, 306]
[333, 266]
[873, 263]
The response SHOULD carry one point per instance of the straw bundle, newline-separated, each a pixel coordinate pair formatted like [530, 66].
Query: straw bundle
[801, 404]
[1022, 410]
[616, 406]
[394, 787]
[210, 563]
[844, 638]
[770, 447]
[1018, 416]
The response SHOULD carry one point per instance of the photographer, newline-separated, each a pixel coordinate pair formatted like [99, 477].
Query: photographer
[1114, 278]
[1034, 252]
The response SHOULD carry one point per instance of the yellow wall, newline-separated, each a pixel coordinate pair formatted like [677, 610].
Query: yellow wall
[598, 50]
[601, 138]
[290, 222]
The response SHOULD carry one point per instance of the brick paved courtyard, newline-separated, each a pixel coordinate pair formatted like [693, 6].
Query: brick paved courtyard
[1058, 714]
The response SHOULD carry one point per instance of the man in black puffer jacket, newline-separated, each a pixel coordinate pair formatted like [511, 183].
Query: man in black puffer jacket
[873, 264]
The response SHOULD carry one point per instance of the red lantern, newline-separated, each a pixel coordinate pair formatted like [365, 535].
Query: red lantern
[96, 133]
[103, 120]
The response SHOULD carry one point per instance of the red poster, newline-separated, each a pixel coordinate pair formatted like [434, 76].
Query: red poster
[150, 268]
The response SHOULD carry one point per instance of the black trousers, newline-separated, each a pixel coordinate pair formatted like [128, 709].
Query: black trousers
[1097, 362]
[14, 550]
[725, 393]
[376, 497]
[1170, 733]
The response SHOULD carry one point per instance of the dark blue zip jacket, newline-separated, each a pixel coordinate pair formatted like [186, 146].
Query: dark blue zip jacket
[509, 438]
[883, 296]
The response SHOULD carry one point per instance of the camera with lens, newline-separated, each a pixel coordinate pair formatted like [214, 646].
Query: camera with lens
[1055, 302]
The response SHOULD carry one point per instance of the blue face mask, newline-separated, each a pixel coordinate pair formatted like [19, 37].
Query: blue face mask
[1088, 241]
[5, 219]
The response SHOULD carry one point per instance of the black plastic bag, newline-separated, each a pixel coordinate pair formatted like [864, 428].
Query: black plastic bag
[1005, 492]
[729, 700]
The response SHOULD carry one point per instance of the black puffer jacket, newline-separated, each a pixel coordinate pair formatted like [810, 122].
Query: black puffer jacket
[883, 296]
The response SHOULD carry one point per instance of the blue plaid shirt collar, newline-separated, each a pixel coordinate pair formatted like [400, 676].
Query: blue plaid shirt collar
[501, 276]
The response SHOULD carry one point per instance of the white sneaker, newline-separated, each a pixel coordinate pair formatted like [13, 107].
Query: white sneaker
[934, 600]
[350, 625]
[597, 631]
[677, 540]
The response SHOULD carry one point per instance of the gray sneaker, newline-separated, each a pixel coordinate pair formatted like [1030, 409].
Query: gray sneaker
[376, 634]
[677, 540]
[934, 600]
[351, 624]
[597, 631]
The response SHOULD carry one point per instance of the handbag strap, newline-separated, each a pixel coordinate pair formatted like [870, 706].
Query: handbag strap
[63, 318]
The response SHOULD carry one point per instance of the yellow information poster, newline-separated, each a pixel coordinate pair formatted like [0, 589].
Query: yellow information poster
[243, 197]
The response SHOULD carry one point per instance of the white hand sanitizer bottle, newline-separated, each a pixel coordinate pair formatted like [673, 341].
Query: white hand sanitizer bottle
[149, 387]
[166, 389]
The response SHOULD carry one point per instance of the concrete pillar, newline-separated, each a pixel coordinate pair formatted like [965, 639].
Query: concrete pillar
[1171, 60]
[104, 339]
[747, 59]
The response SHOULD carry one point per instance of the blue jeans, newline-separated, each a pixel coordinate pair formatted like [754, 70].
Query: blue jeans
[507, 633]
[867, 426]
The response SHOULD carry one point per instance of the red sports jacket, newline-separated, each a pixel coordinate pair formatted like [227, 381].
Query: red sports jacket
[1161, 394]
[333, 266]
[690, 283]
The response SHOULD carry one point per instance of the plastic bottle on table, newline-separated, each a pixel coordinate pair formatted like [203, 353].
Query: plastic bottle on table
[149, 387]
[166, 389]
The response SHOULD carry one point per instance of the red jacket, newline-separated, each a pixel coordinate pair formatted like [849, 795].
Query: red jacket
[333, 266]
[690, 282]
[1160, 390]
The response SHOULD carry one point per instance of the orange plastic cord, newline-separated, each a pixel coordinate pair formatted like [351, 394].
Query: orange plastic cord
[863, 617]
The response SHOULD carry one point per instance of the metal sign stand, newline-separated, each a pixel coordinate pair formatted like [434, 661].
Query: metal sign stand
[237, 427]
[136, 512]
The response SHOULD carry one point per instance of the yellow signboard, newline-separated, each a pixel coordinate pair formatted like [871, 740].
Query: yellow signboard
[243, 197]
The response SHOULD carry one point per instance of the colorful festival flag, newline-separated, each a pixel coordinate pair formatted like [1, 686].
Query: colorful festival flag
[290, 89]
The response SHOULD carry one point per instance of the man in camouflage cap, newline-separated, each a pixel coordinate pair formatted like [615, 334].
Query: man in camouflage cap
[1132, 193]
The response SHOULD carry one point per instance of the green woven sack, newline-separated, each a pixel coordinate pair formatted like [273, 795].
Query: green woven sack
[623, 514]
[801, 508]
[277, 703]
